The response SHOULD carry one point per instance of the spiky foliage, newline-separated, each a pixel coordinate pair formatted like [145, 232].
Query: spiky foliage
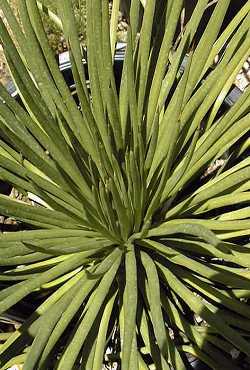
[129, 247]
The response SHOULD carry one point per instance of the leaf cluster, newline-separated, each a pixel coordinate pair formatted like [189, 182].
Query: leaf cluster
[129, 245]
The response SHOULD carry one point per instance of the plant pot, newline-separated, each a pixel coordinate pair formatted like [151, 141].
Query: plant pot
[4, 188]
[65, 68]
[197, 364]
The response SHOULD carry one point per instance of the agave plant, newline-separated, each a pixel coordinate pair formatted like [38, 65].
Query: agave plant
[134, 254]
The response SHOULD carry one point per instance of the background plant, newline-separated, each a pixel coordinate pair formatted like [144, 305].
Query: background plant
[128, 247]
[53, 27]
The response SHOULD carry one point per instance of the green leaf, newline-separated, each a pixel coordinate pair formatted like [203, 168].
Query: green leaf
[30, 285]
[162, 62]
[155, 304]
[130, 307]
[69, 356]
[102, 334]
[185, 227]
[113, 25]
[200, 308]
[205, 45]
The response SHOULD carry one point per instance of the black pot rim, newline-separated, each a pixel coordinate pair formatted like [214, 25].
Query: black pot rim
[65, 67]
